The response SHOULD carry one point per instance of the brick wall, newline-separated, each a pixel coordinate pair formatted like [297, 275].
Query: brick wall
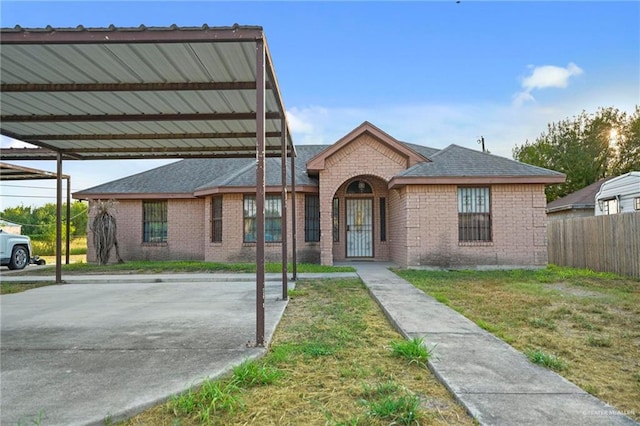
[518, 227]
[184, 232]
[363, 157]
[234, 249]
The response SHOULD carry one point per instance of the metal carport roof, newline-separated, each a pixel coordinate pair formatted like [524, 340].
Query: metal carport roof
[145, 92]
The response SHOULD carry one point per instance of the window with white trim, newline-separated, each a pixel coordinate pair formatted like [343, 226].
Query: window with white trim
[610, 206]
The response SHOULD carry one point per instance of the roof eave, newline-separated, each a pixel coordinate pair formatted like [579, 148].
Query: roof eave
[251, 189]
[570, 207]
[131, 196]
[399, 181]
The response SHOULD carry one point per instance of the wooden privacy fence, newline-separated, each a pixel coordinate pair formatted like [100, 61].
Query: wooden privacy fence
[601, 243]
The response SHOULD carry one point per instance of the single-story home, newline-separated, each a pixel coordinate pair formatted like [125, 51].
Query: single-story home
[580, 203]
[367, 196]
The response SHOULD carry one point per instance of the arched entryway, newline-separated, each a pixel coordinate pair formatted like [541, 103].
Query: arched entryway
[360, 219]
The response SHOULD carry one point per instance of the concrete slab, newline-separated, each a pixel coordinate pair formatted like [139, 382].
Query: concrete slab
[77, 354]
[543, 410]
[482, 363]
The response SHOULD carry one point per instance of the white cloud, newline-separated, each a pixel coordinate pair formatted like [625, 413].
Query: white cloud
[544, 77]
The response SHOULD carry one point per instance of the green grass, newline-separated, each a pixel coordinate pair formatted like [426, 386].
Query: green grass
[11, 288]
[553, 362]
[588, 319]
[48, 248]
[599, 341]
[398, 407]
[187, 266]
[413, 350]
[250, 373]
[328, 363]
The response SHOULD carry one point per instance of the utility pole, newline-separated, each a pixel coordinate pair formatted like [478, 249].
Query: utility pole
[481, 141]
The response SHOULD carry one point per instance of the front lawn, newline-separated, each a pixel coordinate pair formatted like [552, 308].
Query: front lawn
[334, 360]
[166, 266]
[584, 325]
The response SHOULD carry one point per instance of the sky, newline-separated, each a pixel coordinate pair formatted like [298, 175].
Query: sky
[433, 73]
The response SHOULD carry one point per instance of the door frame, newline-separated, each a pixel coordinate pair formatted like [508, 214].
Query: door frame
[346, 241]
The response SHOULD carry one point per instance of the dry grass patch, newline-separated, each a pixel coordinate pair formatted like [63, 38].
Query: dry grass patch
[586, 320]
[332, 352]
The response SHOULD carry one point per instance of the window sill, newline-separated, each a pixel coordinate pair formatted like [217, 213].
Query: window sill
[163, 244]
[475, 243]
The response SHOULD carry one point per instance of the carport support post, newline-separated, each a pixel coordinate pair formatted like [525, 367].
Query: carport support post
[294, 225]
[68, 219]
[260, 188]
[283, 166]
[59, 218]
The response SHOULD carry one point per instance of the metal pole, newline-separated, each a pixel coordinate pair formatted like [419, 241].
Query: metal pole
[260, 189]
[294, 226]
[68, 217]
[283, 163]
[59, 218]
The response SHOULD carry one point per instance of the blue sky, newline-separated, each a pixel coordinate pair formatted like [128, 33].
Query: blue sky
[432, 73]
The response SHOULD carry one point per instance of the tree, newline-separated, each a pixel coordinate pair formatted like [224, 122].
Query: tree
[40, 222]
[586, 148]
[627, 139]
[104, 232]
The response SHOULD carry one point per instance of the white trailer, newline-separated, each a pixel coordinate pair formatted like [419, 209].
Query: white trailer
[619, 195]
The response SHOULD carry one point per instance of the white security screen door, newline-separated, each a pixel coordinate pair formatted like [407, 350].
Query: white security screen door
[359, 227]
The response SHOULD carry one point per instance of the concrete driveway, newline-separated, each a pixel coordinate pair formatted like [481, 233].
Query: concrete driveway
[86, 353]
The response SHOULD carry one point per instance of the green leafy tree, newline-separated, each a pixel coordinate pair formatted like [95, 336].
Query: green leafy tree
[586, 148]
[40, 222]
[627, 140]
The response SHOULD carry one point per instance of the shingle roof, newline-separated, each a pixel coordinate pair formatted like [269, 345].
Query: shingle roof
[458, 161]
[421, 149]
[200, 175]
[190, 175]
[581, 199]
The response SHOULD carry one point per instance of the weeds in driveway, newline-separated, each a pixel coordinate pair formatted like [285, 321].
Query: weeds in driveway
[588, 319]
[334, 367]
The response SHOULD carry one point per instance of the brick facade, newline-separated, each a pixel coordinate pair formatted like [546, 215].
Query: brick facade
[421, 216]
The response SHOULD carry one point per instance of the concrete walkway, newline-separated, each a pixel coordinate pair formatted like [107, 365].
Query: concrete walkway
[494, 382]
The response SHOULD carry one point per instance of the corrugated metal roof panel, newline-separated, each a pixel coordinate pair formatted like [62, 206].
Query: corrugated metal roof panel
[72, 68]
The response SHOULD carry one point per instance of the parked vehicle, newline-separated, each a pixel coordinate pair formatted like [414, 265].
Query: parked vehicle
[619, 195]
[16, 251]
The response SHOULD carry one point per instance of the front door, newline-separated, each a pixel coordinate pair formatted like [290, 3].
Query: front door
[359, 227]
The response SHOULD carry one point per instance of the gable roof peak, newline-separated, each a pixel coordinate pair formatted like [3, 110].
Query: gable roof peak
[317, 163]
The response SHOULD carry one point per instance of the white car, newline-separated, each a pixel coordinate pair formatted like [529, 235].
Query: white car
[15, 250]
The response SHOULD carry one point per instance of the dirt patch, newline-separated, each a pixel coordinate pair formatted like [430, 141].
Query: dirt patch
[573, 291]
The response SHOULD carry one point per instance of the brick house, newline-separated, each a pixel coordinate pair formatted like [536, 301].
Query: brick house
[367, 196]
